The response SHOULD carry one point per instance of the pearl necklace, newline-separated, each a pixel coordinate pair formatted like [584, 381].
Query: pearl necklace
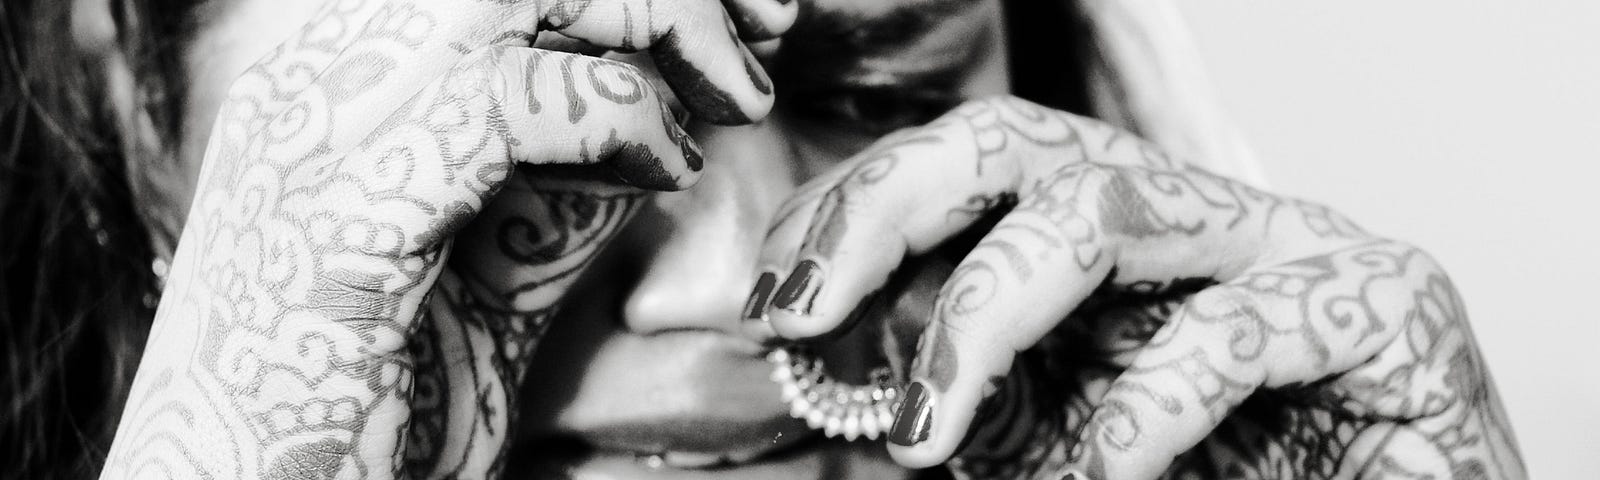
[836, 408]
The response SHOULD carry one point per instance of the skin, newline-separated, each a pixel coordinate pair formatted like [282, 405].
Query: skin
[1231, 332]
[293, 337]
[370, 314]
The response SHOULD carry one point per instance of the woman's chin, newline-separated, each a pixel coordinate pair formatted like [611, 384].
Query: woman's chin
[817, 458]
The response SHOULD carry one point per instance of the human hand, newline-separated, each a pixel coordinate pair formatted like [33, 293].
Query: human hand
[339, 169]
[1272, 332]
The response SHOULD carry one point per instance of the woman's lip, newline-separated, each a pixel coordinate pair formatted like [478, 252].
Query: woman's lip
[685, 391]
[704, 436]
[806, 460]
[799, 463]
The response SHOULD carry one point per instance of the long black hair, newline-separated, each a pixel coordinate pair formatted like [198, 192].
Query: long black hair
[76, 288]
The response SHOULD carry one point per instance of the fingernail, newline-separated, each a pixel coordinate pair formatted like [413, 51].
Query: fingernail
[800, 290]
[915, 418]
[758, 76]
[700, 95]
[691, 153]
[1072, 476]
[638, 167]
[756, 306]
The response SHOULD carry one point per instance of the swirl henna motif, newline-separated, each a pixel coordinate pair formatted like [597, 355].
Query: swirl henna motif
[1326, 353]
[296, 338]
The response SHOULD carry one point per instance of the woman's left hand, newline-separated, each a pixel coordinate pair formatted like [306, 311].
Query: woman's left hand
[1360, 338]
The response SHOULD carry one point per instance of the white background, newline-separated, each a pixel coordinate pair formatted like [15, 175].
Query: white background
[1469, 128]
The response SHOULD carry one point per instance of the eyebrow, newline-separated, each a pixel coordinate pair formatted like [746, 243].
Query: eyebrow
[846, 32]
[828, 44]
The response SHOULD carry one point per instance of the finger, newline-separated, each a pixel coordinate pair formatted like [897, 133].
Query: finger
[693, 42]
[762, 19]
[780, 242]
[1028, 272]
[1378, 321]
[1305, 321]
[1166, 223]
[1090, 201]
[909, 192]
[850, 247]
[1066, 237]
[430, 167]
[506, 105]
[323, 88]
[1176, 391]
[516, 260]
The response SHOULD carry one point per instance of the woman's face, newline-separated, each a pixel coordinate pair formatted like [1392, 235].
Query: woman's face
[652, 368]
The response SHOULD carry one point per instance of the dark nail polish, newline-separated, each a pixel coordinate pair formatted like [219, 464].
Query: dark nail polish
[800, 290]
[1071, 476]
[785, 2]
[915, 418]
[756, 306]
[636, 166]
[758, 76]
[697, 92]
[691, 153]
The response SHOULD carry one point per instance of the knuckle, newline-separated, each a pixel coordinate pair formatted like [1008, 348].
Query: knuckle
[484, 61]
[617, 82]
[482, 71]
[1223, 307]
[1225, 298]
[621, 68]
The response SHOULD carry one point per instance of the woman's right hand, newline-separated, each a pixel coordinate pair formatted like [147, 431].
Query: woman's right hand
[339, 169]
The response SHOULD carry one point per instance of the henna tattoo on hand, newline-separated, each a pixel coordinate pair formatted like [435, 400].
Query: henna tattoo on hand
[296, 338]
[526, 254]
[1421, 405]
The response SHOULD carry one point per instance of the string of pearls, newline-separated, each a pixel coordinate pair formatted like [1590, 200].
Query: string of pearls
[836, 408]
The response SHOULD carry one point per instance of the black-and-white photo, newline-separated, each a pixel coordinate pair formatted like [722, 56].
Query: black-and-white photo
[798, 239]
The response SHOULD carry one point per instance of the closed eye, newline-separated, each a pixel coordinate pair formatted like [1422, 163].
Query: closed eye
[870, 110]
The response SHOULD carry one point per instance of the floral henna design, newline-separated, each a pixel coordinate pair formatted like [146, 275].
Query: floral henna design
[1241, 295]
[527, 249]
[284, 343]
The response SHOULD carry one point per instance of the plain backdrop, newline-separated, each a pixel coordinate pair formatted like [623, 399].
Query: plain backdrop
[1469, 128]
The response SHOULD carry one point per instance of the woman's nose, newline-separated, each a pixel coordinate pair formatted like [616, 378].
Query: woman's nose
[703, 243]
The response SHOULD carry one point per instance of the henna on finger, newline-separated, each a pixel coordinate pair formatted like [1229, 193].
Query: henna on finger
[305, 267]
[1098, 210]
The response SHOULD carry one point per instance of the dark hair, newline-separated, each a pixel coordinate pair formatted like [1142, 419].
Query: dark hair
[82, 213]
[76, 288]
